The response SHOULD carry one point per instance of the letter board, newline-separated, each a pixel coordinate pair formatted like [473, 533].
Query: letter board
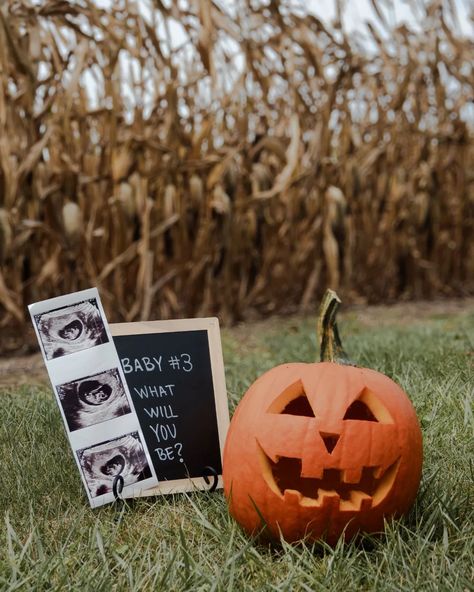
[175, 374]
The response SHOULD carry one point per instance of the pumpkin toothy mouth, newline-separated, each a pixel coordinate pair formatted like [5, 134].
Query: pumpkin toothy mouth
[284, 478]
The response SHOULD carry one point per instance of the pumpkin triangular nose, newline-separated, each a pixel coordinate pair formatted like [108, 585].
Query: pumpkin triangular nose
[330, 440]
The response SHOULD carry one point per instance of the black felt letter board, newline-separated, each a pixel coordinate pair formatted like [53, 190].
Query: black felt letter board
[170, 380]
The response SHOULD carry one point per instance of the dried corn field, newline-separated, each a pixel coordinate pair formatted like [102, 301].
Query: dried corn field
[189, 158]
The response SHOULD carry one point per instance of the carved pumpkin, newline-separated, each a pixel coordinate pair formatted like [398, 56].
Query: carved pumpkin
[317, 450]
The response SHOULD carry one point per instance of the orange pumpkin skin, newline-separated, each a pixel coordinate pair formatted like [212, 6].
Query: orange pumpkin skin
[358, 462]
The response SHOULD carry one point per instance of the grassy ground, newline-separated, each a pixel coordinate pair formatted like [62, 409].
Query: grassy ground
[50, 539]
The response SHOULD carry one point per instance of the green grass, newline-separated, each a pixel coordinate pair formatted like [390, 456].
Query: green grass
[52, 540]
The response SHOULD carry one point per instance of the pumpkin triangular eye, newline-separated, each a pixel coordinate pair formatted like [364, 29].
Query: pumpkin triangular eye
[368, 407]
[299, 406]
[360, 411]
[292, 401]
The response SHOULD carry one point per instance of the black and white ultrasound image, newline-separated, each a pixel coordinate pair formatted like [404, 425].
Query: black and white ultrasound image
[103, 462]
[70, 329]
[93, 399]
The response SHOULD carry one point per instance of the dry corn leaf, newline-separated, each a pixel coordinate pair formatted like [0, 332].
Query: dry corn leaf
[149, 153]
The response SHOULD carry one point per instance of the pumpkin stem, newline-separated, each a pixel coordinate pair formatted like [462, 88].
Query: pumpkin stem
[330, 344]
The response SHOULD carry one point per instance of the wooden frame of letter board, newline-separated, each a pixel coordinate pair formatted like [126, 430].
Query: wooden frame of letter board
[211, 325]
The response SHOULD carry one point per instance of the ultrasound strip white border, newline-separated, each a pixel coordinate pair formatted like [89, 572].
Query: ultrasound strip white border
[83, 363]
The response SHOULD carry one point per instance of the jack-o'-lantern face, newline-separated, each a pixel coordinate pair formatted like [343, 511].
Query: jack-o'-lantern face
[330, 456]
[318, 449]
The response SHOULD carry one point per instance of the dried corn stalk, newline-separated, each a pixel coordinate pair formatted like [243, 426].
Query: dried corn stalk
[243, 165]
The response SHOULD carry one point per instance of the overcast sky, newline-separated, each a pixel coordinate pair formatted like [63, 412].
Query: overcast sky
[357, 12]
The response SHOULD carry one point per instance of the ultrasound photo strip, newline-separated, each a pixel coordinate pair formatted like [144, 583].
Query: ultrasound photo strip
[93, 399]
[93, 396]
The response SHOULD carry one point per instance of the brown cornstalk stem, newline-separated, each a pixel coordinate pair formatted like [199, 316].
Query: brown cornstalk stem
[331, 349]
